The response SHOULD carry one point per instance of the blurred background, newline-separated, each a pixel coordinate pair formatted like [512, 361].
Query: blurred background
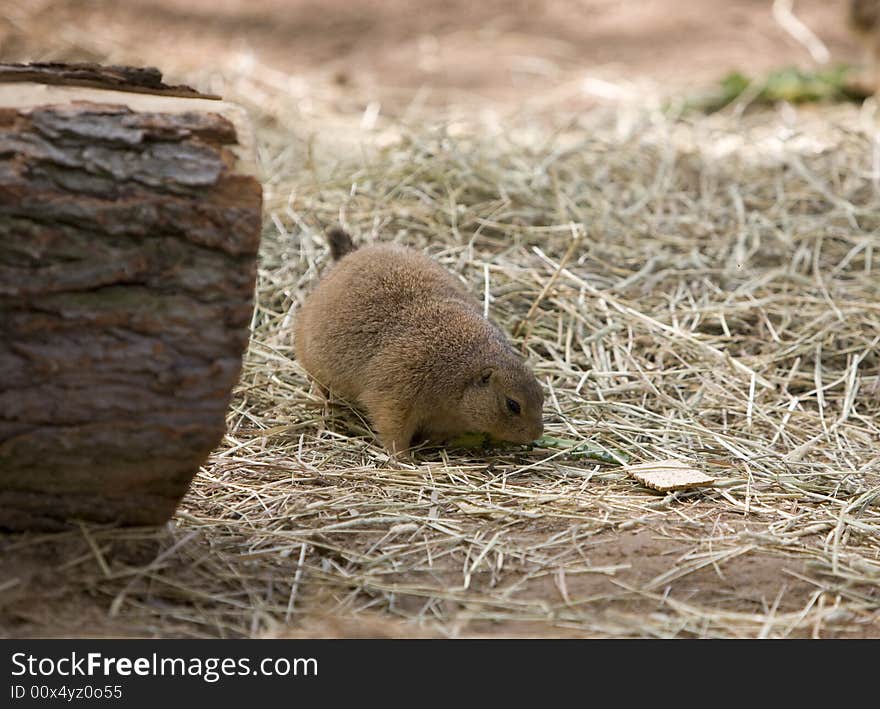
[554, 52]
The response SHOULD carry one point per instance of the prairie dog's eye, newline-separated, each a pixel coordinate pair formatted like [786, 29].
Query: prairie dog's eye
[513, 407]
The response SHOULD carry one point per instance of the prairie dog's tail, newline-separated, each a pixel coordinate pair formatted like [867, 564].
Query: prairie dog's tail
[340, 242]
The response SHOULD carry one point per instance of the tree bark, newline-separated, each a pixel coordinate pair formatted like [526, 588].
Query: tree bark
[145, 80]
[128, 243]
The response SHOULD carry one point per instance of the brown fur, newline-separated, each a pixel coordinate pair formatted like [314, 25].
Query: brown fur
[340, 243]
[390, 330]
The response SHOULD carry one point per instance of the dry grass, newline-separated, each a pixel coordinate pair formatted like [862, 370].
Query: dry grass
[721, 306]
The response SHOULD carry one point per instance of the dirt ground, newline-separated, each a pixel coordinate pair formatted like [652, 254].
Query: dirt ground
[457, 51]
[59, 592]
[566, 54]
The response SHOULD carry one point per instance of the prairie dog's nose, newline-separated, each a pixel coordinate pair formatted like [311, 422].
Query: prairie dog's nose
[536, 430]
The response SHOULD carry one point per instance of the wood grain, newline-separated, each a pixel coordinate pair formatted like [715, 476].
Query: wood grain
[127, 264]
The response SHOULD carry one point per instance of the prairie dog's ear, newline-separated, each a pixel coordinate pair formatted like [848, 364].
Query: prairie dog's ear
[485, 375]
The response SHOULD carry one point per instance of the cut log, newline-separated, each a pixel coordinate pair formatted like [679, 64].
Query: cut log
[129, 227]
[144, 80]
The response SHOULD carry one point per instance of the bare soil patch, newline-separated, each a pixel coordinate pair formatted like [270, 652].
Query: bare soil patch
[454, 51]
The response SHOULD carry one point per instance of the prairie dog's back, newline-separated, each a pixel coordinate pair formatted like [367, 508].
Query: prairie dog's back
[372, 296]
[387, 280]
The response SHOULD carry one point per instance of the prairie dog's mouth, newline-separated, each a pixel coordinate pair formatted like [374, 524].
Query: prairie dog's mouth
[526, 436]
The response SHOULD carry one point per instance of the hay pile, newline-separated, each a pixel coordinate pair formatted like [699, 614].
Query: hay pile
[720, 306]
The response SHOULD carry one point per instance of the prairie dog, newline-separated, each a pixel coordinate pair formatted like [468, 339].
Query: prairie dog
[393, 332]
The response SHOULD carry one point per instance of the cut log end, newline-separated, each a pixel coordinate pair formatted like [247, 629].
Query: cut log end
[142, 80]
[128, 241]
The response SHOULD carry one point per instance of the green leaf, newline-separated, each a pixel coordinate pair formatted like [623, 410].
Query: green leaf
[584, 449]
[789, 84]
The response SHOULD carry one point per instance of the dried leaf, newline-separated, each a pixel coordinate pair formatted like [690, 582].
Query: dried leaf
[666, 475]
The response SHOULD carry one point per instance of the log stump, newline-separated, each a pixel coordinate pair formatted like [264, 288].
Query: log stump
[129, 227]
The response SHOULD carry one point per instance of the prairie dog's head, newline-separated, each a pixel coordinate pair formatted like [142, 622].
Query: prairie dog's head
[504, 400]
